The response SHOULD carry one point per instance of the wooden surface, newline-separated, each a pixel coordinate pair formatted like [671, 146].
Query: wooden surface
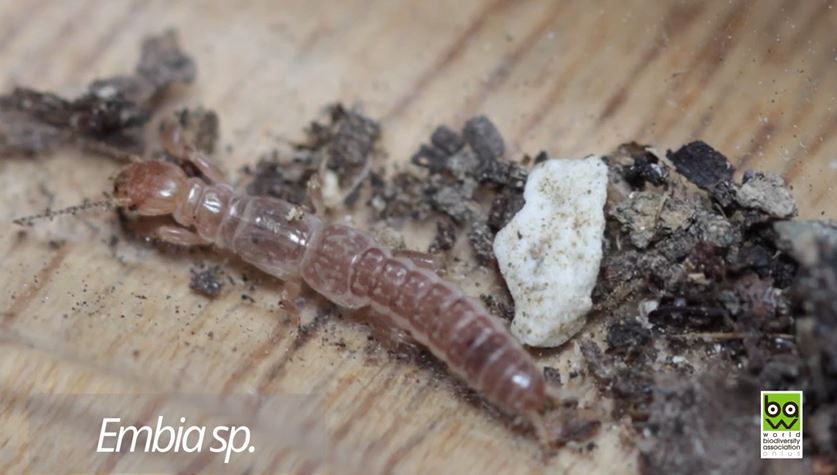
[754, 79]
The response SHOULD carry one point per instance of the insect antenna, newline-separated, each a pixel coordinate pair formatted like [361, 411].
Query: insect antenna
[106, 204]
[105, 149]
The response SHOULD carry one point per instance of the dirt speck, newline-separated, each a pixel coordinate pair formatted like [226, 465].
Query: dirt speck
[207, 281]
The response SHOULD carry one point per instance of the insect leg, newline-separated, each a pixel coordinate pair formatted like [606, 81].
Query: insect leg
[292, 299]
[553, 392]
[171, 135]
[179, 236]
[385, 331]
[423, 260]
[314, 192]
[542, 432]
[208, 169]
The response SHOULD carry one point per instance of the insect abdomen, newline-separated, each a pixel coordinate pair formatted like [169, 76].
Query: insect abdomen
[328, 264]
[457, 329]
[351, 269]
[271, 234]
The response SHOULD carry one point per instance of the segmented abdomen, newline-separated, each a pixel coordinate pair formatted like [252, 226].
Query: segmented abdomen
[271, 234]
[352, 269]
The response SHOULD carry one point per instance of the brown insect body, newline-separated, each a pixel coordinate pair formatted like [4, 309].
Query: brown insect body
[347, 266]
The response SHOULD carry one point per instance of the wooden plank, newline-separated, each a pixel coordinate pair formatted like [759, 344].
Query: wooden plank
[756, 80]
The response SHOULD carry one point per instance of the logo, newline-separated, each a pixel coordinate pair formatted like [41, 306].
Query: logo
[781, 424]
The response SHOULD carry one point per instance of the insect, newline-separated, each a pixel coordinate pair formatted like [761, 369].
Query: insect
[345, 265]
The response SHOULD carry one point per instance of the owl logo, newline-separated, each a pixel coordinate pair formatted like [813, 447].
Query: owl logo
[781, 411]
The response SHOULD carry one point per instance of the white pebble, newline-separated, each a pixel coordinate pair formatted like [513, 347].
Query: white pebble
[549, 254]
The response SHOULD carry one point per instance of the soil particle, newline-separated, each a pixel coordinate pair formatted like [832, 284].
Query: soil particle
[639, 213]
[403, 196]
[628, 337]
[500, 305]
[630, 386]
[647, 216]
[503, 208]
[445, 237]
[20, 133]
[283, 179]
[766, 192]
[348, 139]
[163, 63]
[200, 127]
[343, 146]
[682, 313]
[552, 375]
[444, 143]
[493, 171]
[484, 138]
[451, 202]
[482, 241]
[701, 164]
[430, 157]
[676, 214]
[463, 166]
[646, 167]
[446, 140]
[715, 229]
[207, 281]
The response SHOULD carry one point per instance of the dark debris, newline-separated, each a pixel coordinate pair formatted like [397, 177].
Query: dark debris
[714, 275]
[163, 63]
[628, 338]
[701, 164]
[482, 240]
[112, 110]
[200, 127]
[346, 142]
[343, 144]
[484, 138]
[469, 188]
[285, 179]
[207, 281]
[504, 206]
[445, 237]
[446, 140]
[500, 306]
[646, 167]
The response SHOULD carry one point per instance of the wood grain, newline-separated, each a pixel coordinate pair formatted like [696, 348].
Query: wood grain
[754, 79]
